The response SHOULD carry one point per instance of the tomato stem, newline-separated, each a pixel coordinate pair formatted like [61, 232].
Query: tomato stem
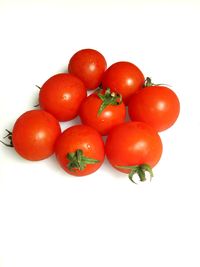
[9, 137]
[38, 86]
[37, 105]
[109, 98]
[139, 170]
[77, 161]
[148, 82]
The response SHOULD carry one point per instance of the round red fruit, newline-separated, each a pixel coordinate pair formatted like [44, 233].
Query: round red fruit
[61, 95]
[34, 134]
[103, 111]
[156, 105]
[80, 150]
[124, 78]
[89, 65]
[133, 147]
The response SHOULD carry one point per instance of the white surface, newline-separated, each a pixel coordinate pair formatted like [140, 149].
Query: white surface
[48, 218]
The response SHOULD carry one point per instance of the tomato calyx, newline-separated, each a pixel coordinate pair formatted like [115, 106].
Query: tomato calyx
[9, 137]
[139, 170]
[77, 161]
[109, 98]
[148, 82]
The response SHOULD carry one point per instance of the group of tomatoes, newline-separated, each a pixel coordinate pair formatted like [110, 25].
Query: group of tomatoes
[132, 147]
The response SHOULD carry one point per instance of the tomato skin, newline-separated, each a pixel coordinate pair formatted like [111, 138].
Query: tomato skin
[156, 105]
[80, 137]
[34, 135]
[111, 116]
[89, 65]
[131, 144]
[124, 78]
[61, 95]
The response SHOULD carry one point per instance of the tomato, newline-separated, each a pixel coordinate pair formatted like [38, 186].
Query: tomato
[124, 78]
[80, 150]
[133, 147]
[34, 134]
[89, 65]
[102, 111]
[61, 95]
[156, 105]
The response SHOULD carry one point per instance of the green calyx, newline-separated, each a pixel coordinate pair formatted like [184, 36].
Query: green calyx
[77, 161]
[139, 170]
[109, 98]
[9, 137]
[148, 82]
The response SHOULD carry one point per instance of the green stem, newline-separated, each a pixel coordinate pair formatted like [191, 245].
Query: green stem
[139, 170]
[37, 105]
[109, 98]
[77, 161]
[148, 82]
[9, 137]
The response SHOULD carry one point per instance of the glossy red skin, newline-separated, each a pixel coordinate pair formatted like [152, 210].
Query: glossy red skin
[111, 116]
[80, 137]
[34, 135]
[124, 78]
[89, 65]
[61, 95]
[133, 143]
[156, 105]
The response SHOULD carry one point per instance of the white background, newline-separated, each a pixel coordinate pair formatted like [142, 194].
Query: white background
[48, 218]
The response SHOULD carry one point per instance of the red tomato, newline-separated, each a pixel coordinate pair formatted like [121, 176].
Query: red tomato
[102, 111]
[89, 65]
[156, 105]
[61, 95]
[34, 134]
[133, 147]
[80, 150]
[124, 78]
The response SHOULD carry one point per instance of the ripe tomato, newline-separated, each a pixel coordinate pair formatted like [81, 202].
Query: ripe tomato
[89, 65]
[80, 150]
[102, 111]
[124, 78]
[156, 105]
[133, 147]
[61, 95]
[34, 134]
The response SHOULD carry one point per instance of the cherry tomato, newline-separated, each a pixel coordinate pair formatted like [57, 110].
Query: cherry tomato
[34, 134]
[89, 65]
[124, 78]
[61, 95]
[102, 111]
[80, 150]
[156, 105]
[133, 147]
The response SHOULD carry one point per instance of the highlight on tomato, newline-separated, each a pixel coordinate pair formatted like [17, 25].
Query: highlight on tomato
[123, 77]
[80, 150]
[34, 135]
[157, 105]
[88, 65]
[61, 95]
[133, 148]
[103, 110]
